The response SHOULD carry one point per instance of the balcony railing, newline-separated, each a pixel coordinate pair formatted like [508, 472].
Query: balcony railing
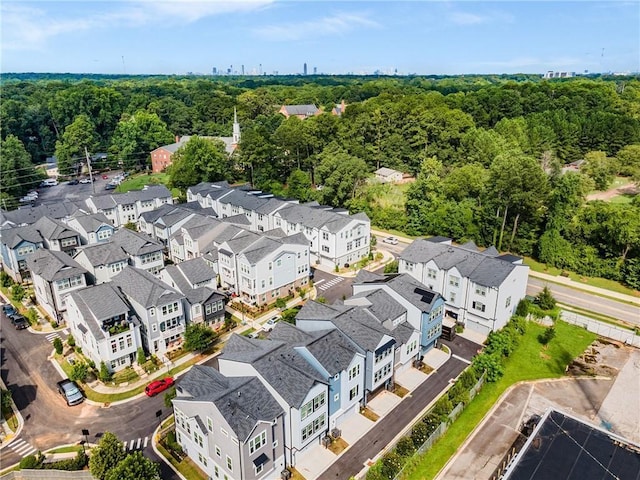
[170, 332]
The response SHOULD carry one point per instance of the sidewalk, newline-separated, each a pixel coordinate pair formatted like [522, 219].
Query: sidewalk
[587, 288]
[351, 272]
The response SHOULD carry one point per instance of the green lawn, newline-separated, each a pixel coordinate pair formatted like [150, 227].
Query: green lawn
[136, 182]
[531, 361]
[624, 198]
[593, 281]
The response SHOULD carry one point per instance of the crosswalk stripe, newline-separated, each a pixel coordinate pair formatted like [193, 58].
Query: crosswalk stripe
[131, 445]
[320, 281]
[146, 440]
[29, 452]
[138, 444]
[65, 331]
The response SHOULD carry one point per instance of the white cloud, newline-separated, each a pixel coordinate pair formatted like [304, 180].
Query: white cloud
[337, 24]
[30, 27]
[467, 18]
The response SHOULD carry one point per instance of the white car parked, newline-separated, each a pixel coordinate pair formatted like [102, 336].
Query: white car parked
[391, 240]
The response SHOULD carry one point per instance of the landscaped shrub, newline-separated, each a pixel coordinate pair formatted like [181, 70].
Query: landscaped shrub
[501, 342]
[491, 363]
[469, 377]
[442, 408]
[71, 341]
[545, 299]
[57, 344]
[79, 372]
[392, 463]
[281, 303]
[140, 356]
[5, 280]
[105, 374]
[80, 461]
[32, 461]
[458, 393]
[32, 315]
[391, 267]
[548, 335]
[17, 292]
[405, 447]
[419, 434]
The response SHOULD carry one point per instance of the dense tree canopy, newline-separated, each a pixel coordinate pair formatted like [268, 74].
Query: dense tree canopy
[199, 160]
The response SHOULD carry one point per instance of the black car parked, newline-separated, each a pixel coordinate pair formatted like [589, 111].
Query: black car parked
[19, 322]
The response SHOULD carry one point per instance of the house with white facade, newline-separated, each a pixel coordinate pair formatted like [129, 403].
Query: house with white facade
[158, 306]
[54, 275]
[163, 222]
[198, 282]
[481, 288]
[388, 175]
[300, 390]
[103, 261]
[104, 326]
[57, 235]
[335, 237]
[92, 227]
[261, 269]
[16, 244]
[231, 427]
[123, 208]
[144, 252]
[337, 359]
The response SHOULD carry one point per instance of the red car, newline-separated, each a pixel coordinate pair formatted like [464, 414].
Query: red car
[158, 386]
[105, 177]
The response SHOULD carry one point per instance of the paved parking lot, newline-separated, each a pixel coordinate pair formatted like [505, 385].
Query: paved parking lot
[73, 193]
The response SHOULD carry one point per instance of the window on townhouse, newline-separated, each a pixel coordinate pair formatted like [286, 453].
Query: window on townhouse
[312, 405]
[170, 308]
[325, 236]
[22, 251]
[114, 346]
[209, 424]
[325, 249]
[354, 372]
[409, 266]
[259, 468]
[383, 354]
[452, 297]
[116, 267]
[349, 246]
[229, 463]
[507, 302]
[478, 306]
[202, 460]
[257, 442]
[480, 290]
[313, 427]
[218, 451]
[431, 273]
[382, 373]
[224, 432]
[454, 281]
[129, 341]
[353, 393]
[68, 242]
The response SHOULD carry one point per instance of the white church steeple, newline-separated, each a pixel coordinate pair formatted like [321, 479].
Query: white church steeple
[236, 128]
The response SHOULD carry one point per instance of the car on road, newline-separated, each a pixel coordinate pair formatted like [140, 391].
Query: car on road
[390, 240]
[271, 323]
[19, 322]
[85, 180]
[9, 309]
[158, 386]
[71, 392]
[74, 181]
[110, 186]
[49, 182]
[105, 177]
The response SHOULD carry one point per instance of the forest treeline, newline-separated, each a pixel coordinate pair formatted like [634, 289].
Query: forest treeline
[487, 151]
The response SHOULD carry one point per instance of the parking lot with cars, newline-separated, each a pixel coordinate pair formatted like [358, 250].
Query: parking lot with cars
[78, 189]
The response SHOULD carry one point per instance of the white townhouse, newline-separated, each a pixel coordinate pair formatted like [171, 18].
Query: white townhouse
[231, 427]
[144, 252]
[158, 306]
[57, 235]
[199, 237]
[198, 282]
[481, 288]
[300, 390]
[337, 359]
[336, 238]
[92, 227]
[123, 208]
[55, 275]
[261, 269]
[163, 222]
[103, 261]
[103, 326]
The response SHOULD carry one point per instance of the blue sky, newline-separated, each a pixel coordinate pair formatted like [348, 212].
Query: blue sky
[424, 37]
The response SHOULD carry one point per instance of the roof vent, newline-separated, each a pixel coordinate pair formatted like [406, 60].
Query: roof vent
[239, 393]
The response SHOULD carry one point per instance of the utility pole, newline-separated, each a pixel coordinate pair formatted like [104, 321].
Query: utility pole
[93, 187]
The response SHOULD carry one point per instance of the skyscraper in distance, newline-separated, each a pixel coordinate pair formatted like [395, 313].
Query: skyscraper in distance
[304, 70]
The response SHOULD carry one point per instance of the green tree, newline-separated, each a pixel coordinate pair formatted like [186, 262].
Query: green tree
[419, 434]
[136, 136]
[599, 168]
[104, 374]
[299, 185]
[17, 292]
[134, 466]
[106, 456]
[5, 399]
[18, 173]
[79, 372]
[391, 267]
[168, 396]
[492, 364]
[198, 160]
[545, 299]
[629, 161]
[70, 151]
[140, 356]
[57, 345]
[198, 337]
[340, 174]
[405, 447]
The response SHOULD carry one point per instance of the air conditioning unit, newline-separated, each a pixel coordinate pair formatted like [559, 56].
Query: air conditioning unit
[285, 475]
[326, 441]
[336, 433]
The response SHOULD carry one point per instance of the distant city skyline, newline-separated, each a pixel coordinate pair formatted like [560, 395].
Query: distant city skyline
[256, 37]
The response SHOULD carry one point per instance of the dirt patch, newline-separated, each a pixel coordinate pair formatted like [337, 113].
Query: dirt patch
[627, 189]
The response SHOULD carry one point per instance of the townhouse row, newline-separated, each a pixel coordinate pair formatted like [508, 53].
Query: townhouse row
[272, 399]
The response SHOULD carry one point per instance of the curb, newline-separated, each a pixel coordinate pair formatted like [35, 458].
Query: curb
[154, 438]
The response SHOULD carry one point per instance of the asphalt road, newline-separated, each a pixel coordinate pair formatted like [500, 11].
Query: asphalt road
[587, 301]
[386, 429]
[48, 421]
[73, 193]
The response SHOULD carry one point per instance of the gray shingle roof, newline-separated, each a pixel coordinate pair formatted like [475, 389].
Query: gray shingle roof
[381, 305]
[52, 265]
[51, 229]
[13, 236]
[240, 219]
[301, 109]
[386, 172]
[196, 270]
[111, 200]
[135, 243]
[242, 401]
[404, 285]
[279, 364]
[313, 310]
[103, 253]
[29, 215]
[480, 268]
[144, 288]
[91, 222]
[98, 303]
[333, 350]
[361, 327]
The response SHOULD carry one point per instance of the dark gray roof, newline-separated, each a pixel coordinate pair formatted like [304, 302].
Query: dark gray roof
[173, 147]
[313, 310]
[333, 350]
[203, 295]
[438, 239]
[135, 243]
[242, 401]
[98, 303]
[404, 285]
[109, 201]
[52, 265]
[279, 364]
[203, 188]
[144, 288]
[244, 200]
[103, 253]
[240, 219]
[381, 305]
[166, 209]
[290, 334]
[196, 270]
[507, 257]
[52, 229]
[480, 268]
[29, 215]
[91, 222]
[361, 328]
[270, 206]
[14, 236]
[301, 109]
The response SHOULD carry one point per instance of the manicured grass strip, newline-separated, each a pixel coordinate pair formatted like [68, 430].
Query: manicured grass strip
[67, 449]
[185, 467]
[530, 361]
[136, 182]
[597, 316]
[593, 281]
